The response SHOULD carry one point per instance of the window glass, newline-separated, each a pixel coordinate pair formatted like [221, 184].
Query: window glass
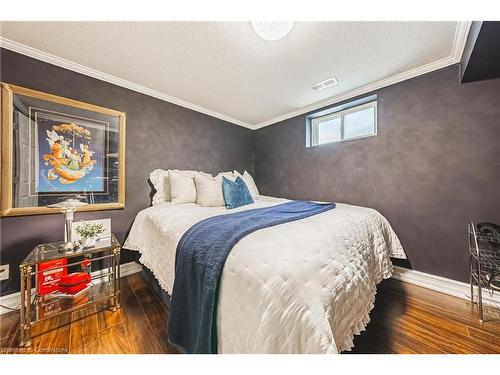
[359, 123]
[329, 131]
[344, 124]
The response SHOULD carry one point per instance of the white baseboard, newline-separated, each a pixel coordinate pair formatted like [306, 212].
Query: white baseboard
[441, 284]
[125, 270]
[13, 300]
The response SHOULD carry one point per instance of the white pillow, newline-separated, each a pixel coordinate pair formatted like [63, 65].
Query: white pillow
[182, 188]
[161, 183]
[186, 172]
[229, 175]
[247, 178]
[209, 190]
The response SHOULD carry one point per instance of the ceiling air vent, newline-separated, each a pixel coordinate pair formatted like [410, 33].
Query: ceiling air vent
[323, 84]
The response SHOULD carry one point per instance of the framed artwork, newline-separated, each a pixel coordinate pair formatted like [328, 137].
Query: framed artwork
[54, 148]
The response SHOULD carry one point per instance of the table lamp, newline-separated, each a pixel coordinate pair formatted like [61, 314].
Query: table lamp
[67, 207]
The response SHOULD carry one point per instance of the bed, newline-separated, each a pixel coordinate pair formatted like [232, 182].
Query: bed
[306, 286]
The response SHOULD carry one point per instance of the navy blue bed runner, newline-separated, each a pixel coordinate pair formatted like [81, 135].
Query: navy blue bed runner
[200, 257]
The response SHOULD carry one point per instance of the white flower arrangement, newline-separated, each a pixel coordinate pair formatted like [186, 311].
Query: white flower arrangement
[87, 230]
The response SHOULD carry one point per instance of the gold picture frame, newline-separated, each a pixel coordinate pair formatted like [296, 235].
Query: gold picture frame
[117, 191]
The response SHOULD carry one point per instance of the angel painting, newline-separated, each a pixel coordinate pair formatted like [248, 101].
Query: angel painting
[70, 157]
[58, 148]
[69, 163]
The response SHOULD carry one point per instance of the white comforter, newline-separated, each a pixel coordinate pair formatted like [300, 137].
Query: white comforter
[300, 287]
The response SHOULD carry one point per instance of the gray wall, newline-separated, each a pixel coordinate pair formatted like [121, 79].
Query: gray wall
[159, 135]
[434, 163]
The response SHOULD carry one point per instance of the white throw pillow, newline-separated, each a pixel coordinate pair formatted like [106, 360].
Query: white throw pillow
[209, 190]
[186, 172]
[229, 175]
[182, 187]
[159, 179]
[248, 179]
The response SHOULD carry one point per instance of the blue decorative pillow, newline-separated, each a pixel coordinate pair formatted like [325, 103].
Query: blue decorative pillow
[236, 193]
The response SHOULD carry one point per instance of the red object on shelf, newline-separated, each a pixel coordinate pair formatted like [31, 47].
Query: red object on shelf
[50, 273]
[74, 282]
[85, 263]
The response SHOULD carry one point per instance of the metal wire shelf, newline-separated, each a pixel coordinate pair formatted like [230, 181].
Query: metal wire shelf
[484, 261]
[487, 238]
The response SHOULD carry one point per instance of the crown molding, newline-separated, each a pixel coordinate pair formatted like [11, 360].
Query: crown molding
[82, 69]
[460, 39]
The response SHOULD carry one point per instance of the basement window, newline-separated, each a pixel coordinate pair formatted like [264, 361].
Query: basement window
[357, 119]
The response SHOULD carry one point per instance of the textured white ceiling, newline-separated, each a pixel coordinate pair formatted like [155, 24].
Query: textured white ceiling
[226, 68]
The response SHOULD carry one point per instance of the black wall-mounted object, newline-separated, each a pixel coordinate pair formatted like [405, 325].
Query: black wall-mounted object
[481, 57]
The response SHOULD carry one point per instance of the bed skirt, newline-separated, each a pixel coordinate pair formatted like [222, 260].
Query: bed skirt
[155, 285]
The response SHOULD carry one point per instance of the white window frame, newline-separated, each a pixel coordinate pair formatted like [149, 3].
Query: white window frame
[341, 114]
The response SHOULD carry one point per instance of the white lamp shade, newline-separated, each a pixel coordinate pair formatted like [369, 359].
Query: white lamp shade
[68, 205]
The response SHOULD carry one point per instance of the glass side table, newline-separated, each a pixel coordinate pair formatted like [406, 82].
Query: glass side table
[104, 284]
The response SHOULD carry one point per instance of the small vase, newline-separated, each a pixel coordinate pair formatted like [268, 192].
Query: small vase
[89, 241]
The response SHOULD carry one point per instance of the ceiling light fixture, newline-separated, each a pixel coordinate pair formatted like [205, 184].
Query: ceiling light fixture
[272, 31]
[324, 84]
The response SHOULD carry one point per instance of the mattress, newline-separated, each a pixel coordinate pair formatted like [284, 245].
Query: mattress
[302, 287]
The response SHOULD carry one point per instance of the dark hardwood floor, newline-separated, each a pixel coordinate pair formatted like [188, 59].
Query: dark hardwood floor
[406, 319]
[410, 319]
[139, 326]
